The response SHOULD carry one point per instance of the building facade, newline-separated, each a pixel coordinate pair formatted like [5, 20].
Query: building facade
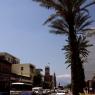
[89, 67]
[48, 79]
[6, 61]
[23, 73]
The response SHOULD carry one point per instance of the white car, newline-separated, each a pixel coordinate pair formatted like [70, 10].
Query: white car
[60, 93]
[38, 90]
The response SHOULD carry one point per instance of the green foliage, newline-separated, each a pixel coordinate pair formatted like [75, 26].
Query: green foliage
[83, 44]
[64, 9]
[37, 80]
[71, 17]
[68, 86]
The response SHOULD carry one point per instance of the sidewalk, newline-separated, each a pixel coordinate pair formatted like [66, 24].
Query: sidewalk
[89, 94]
[86, 94]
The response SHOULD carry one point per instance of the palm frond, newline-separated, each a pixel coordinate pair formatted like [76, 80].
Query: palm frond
[85, 25]
[47, 3]
[65, 12]
[87, 5]
[80, 19]
[83, 44]
[50, 18]
[59, 27]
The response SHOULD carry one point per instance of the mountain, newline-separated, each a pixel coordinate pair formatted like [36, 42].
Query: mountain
[63, 82]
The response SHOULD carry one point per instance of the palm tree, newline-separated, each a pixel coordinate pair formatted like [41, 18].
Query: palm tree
[83, 44]
[82, 47]
[70, 17]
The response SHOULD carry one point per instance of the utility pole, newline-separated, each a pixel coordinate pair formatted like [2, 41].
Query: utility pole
[21, 73]
[54, 80]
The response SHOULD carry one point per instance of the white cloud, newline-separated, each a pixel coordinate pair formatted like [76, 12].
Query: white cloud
[92, 27]
[63, 76]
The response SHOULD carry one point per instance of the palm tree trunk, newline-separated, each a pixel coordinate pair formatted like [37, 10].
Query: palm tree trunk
[74, 72]
[81, 77]
[74, 59]
[77, 71]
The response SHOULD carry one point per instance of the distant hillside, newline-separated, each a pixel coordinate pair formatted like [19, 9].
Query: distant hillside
[63, 82]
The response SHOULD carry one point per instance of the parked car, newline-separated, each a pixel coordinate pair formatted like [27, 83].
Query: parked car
[46, 91]
[60, 93]
[37, 90]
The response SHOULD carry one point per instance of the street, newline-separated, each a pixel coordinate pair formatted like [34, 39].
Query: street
[60, 94]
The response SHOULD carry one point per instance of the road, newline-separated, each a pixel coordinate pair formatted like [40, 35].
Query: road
[53, 93]
[61, 94]
[18, 93]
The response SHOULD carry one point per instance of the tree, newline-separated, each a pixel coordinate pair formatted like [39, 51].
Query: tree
[70, 17]
[37, 80]
[83, 44]
[83, 53]
[68, 86]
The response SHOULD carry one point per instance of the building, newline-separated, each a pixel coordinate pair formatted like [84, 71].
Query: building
[48, 79]
[9, 58]
[38, 78]
[89, 67]
[23, 73]
[6, 61]
[47, 70]
[12, 71]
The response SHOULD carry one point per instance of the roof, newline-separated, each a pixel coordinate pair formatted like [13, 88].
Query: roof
[4, 56]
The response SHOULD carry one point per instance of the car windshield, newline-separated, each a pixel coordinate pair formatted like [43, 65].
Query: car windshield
[35, 89]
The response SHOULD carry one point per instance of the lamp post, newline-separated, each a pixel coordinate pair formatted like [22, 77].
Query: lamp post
[21, 73]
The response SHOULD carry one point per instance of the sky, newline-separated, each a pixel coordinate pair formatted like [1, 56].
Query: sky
[23, 35]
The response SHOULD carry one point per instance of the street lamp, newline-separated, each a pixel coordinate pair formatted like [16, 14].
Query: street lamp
[21, 72]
